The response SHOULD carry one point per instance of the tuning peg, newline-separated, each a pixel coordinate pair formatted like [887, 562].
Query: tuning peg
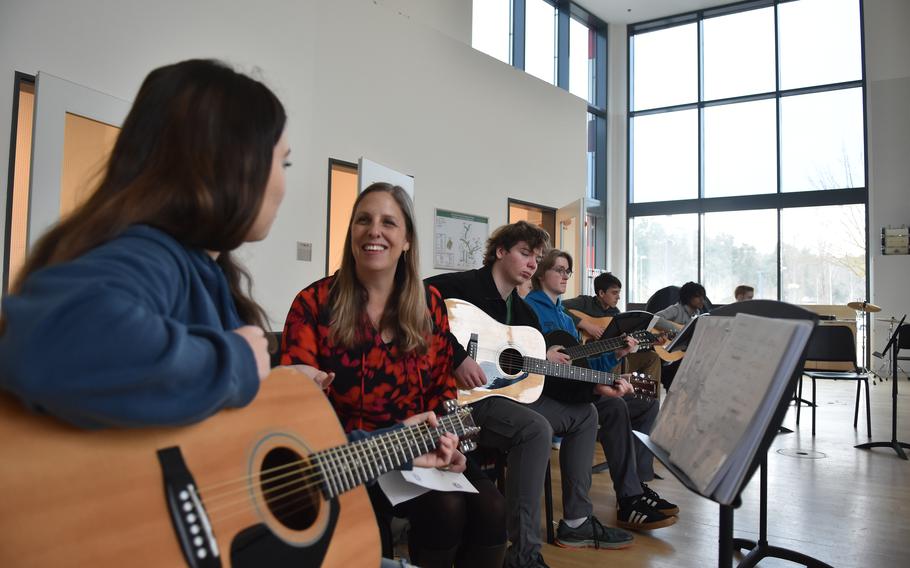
[468, 446]
[450, 405]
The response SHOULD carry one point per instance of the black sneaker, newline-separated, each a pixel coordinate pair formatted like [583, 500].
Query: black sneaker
[652, 498]
[635, 514]
[591, 534]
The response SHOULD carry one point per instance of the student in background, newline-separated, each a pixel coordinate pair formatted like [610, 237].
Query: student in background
[691, 304]
[743, 292]
[639, 507]
[377, 339]
[605, 303]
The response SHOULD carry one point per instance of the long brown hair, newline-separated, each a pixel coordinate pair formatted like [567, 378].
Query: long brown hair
[192, 159]
[406, 312]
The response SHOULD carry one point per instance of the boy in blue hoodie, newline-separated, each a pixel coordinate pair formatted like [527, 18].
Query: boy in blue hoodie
[639, 506]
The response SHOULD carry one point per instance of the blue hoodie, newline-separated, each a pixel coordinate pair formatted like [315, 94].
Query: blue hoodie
[553, 317]
[136, 332]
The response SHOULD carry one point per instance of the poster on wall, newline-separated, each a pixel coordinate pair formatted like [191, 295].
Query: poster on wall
[459, 240]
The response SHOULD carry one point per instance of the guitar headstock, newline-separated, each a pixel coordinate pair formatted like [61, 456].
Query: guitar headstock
[462, 425]
[646, 386]
[646, 338]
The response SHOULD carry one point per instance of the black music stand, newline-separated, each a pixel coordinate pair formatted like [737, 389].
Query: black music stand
[899, 340]
[726, 542]
[627, 322]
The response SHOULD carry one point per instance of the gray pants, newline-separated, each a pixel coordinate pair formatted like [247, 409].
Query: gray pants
[630, 462]
[525, 432]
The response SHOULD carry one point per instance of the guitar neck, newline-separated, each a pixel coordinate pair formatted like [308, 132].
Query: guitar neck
[566, 371]
[345, 467]
[592, 348]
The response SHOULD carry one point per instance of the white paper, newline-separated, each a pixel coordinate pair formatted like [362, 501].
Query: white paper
[401, 486]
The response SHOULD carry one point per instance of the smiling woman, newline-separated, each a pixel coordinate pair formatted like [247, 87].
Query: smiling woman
[377, 339]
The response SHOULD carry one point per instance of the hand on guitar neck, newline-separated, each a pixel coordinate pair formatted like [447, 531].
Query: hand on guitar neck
[621, 387]
[446, 456]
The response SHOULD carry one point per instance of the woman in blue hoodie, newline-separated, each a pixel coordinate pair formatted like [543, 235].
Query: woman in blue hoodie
[640, 507]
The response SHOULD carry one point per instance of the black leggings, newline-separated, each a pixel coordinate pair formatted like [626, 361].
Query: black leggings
[441, 520]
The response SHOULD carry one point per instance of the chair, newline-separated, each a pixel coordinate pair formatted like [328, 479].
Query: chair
[663, 298]
[831, 354]
[274, 356]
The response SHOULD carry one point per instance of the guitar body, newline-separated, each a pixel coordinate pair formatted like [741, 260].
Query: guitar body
[498, 347]
[97, 498]
[601, 322]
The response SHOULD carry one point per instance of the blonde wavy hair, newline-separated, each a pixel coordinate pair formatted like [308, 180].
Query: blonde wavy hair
[406, 312]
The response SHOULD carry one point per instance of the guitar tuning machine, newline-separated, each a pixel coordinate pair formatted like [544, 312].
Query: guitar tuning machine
[450, 405]
[467, 446]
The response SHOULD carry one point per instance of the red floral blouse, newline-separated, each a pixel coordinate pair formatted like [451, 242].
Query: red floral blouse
[376, 385]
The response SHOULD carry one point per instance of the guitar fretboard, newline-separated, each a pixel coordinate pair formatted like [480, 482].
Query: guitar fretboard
[565, 371]
[346, 467]
[593, 348]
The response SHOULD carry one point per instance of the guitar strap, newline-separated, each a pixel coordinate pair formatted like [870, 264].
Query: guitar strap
[509, 309]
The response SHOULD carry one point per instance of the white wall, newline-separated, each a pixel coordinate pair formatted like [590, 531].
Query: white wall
[357, 77]
[888, 123]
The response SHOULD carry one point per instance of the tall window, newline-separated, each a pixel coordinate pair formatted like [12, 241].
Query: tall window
[564, 45]
[747, 152]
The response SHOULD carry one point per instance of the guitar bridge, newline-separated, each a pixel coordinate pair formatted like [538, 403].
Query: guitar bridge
[190, 520]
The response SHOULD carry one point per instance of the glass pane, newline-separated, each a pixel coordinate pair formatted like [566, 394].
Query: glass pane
[491, 28]
[593, 123]
[822, 141]
[665, 67]
[739, 54]
[665, 156]
[740, 248]
[823, 254]
[819, 42]
[663, 251]
[581, 60]
[540, 40]
[740, 143]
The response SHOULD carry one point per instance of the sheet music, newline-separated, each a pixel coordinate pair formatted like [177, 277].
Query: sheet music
[719, 394]
[401, 486]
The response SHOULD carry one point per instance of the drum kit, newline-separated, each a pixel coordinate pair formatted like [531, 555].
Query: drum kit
[891, 360]
[867, 308]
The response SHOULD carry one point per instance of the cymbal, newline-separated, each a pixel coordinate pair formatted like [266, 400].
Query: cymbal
[887, 320]
[861, 307]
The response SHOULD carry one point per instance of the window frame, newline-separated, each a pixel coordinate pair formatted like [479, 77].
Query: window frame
[778, 200]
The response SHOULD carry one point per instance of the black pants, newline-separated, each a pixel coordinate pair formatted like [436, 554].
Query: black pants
[441, 520]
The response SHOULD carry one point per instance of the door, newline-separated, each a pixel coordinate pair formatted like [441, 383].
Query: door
[74, 131]
[570, 237]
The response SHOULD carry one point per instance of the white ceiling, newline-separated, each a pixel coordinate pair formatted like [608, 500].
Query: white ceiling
[631, 11]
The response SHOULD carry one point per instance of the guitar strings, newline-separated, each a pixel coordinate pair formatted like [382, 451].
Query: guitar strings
[352, 476]
[313, 474]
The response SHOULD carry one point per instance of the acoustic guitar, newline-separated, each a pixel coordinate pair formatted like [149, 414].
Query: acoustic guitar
[513, 358]
[648, 339]
[272, 484]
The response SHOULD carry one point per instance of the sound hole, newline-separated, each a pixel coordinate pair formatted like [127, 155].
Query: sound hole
[291, 494]
[510, 361]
